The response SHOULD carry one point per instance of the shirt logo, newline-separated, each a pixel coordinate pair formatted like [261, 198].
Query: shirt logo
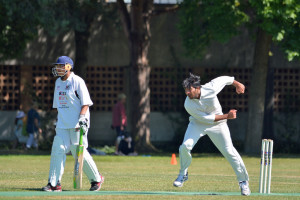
[68, 87]
[63, 100]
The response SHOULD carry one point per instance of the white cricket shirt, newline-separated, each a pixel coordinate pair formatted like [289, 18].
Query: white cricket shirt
[68, 102]
[204, 109]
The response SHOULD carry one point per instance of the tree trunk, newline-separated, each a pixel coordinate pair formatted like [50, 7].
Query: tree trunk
[257, 92]
[140, 107]
[137, 29]
[81, 53]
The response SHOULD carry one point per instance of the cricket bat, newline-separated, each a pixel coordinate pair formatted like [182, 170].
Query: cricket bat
[77, 180]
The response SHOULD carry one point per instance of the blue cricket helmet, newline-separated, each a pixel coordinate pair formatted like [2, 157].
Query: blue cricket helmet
[64, 60]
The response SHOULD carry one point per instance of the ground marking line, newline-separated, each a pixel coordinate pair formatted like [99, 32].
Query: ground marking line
[100, 193]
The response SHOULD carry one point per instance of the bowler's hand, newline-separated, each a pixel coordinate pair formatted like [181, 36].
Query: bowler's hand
[239, 87]
[231, 114]
[83, 123]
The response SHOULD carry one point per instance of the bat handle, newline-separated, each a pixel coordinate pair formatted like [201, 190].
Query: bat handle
[81, 136]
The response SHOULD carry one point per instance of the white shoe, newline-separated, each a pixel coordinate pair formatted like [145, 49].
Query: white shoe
[180, 179]
[245, 190]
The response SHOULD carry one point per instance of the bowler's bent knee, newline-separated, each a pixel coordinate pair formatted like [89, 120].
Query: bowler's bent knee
[184, 148]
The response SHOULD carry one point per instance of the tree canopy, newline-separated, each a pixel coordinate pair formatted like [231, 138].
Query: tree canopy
[20, 20]
[74, 15]
[280, 18]
[203, 21]
[19, 23]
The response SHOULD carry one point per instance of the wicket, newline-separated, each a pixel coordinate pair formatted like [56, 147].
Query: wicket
[266, 166]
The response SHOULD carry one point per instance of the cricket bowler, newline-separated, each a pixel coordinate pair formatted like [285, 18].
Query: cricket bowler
[72, 101]
[207, 118]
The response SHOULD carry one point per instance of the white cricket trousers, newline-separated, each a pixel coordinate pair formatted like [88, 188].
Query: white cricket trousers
[220, 136]
[65, 141]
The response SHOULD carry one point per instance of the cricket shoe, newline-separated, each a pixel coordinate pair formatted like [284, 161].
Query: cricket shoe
[180, 179]
[245, 190]
[50, 188]
[96, 186]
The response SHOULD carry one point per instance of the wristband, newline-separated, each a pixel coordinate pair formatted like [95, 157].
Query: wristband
[81, 116]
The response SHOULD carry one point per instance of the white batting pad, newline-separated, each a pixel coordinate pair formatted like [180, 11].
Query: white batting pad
[89, 166]
[57, 162]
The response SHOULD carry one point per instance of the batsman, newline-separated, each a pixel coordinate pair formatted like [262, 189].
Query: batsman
[72, 101]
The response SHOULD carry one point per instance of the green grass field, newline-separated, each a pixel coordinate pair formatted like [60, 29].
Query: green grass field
[141, 177]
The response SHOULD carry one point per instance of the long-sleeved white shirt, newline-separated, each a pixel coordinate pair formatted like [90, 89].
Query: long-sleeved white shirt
[208, 106]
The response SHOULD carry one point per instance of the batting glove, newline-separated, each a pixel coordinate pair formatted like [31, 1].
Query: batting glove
[83, 123]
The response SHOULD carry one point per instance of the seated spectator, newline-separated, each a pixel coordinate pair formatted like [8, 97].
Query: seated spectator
[126, 146]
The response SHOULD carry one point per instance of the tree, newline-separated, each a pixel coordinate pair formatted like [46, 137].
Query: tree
[136, 25]
[205, 21]
[19, 22]
[276, 21]
[77, 16]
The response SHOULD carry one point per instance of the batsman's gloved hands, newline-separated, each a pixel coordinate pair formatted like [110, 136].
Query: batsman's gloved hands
[83, 123]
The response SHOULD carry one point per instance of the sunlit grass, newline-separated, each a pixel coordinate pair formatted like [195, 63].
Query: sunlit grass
[207, 173]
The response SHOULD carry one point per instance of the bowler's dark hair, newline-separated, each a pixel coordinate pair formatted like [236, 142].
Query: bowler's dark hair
[193, 80]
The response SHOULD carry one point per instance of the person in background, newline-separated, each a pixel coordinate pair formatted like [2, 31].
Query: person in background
[18, 130]
[126, 146]
[33, 126]
[119, 119]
